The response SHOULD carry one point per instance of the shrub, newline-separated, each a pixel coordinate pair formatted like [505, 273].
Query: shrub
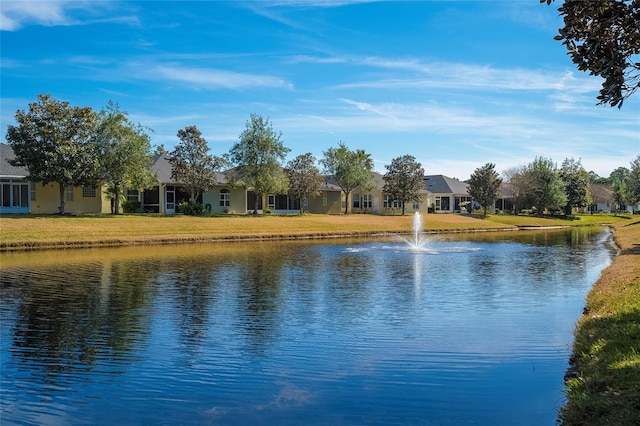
[191, 209]
[131, 206]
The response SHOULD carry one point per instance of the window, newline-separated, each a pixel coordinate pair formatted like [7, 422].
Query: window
[388, 203]
[356, 201]
[33, 191]
[68, 193]
[89, 191]
[416, 205]
[6, 194]
[324, 199]
[442, 203]
[225, 198]
[133, 195]
[14, 194]
[367, 201]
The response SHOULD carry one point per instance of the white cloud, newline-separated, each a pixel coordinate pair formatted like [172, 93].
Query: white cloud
[16, 14]
[463, 76]
[214, 78]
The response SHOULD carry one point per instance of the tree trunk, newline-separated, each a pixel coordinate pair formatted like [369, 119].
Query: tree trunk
[256, 203]
[61, 207]
[403, 208]
[346, 203]
[116, 200]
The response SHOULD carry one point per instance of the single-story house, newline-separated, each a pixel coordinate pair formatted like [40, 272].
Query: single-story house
[444, 194]
[441, 193]
[19, 195]
[330, 201]
[15, 189]
[601, 198]
[168, 194]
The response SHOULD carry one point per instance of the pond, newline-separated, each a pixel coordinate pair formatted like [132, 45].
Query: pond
[472, 329]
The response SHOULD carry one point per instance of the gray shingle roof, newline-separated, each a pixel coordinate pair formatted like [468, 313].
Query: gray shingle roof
[162, 168]
[6, 169]
[440, 184]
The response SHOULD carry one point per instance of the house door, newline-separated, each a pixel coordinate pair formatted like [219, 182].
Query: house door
[170, 199]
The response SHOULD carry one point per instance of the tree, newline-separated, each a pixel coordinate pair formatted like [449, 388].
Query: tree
[484, 186]
[602, 37]
[191, 163]
[350, 169]
[576, 184]
[125, 154]
[595, 178]
[517, 185]
[258, 157]
[633, 182]
[547, 190]
[404, 180]
[53, 140]
[618, 179]
[619, 174]
[159, 150]
[304, 178]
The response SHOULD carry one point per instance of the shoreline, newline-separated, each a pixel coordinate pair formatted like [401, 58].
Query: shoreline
[65, 245]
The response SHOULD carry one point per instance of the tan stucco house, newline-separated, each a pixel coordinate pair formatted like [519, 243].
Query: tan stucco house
[19, 195]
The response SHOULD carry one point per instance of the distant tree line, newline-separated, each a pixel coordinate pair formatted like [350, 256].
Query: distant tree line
[541, 184]
[75, 146]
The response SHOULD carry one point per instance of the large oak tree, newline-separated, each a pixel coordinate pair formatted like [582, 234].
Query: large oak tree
[54, 141]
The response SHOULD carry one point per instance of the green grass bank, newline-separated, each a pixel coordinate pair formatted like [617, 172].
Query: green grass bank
[50, 231]
[603, 383]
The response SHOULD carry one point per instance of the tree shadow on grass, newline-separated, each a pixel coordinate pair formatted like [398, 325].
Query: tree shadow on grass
[603, 382]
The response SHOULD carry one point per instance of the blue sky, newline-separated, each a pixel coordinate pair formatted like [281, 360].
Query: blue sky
[456, 84]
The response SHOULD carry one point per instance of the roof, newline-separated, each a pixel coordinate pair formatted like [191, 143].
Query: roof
[440, 184]
[601, 193]
[162, 168]
[330, 184]
[6, 169]
[379, 180]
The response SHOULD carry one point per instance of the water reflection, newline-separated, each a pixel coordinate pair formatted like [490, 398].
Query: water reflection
[477, 328]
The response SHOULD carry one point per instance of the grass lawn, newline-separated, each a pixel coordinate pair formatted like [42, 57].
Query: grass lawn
[603, 386]
[28, 232]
